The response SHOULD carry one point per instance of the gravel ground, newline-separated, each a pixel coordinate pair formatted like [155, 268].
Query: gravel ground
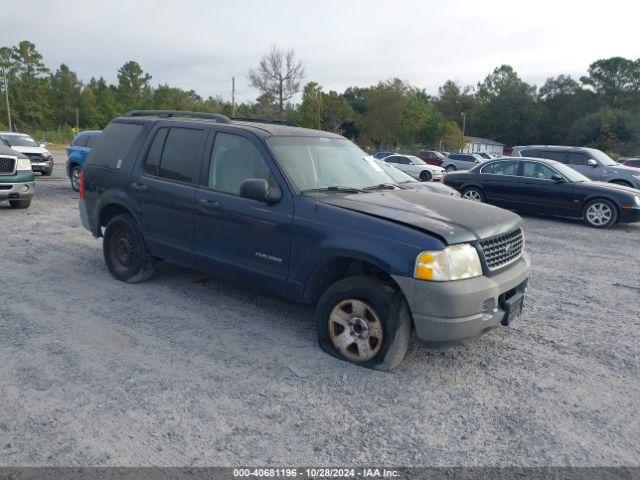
[183, 370]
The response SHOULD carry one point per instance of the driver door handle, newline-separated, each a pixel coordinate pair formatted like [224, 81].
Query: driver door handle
[209, 205]
[139, 187]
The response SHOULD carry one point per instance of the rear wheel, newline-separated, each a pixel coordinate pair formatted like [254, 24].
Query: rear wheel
[474, 194]
[125, 252]
[363, 321]
[75, 178]
[450, 168]
[20, 203]
[425, 175]
[600, 214]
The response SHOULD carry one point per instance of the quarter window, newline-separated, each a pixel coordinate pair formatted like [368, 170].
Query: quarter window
[235, 159]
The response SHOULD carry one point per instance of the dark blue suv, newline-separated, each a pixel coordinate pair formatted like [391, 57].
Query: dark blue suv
[307, 215]
[77, 153]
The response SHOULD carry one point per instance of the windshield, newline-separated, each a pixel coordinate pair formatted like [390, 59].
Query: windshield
[569, 173]
[339, 162]
[20, 141]
[396, 175]
[602, 157]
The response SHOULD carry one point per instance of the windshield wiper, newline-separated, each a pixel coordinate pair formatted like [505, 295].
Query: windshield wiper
[333, 188]
[382, 186]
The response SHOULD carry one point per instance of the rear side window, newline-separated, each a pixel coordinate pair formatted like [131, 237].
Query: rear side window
[549, 154]
[175, 154]
[81, 141]
[507, 167]
[114, 144]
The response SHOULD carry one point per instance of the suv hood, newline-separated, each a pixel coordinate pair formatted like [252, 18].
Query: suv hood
[31, 149]
[454, 220]
[623, 169]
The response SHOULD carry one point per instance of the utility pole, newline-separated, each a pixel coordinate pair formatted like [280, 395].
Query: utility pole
[6, 96]
[233, 96]
[77, 120]
[464, 124]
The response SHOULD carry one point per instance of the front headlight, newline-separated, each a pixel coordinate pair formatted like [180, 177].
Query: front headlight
[23, 164]
[453, 263]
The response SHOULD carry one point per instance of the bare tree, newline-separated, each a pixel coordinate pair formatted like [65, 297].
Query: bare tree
[278, 74]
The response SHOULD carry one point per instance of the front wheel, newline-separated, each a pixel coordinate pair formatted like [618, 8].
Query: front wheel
[20, 203]
[425, 175]
[600, 214]
[450, 168]
[474, 194]
[47, 171]
[125, 252]
[75, 178]
[363, 321]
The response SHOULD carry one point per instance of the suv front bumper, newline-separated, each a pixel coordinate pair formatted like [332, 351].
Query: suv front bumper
[463, 309]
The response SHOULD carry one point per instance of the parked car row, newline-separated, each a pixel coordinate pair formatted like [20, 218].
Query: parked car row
[550, 187]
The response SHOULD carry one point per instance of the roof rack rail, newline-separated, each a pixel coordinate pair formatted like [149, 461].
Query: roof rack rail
[265, 120]
[178, 113]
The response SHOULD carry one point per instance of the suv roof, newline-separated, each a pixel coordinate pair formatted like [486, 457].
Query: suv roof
[260, 126]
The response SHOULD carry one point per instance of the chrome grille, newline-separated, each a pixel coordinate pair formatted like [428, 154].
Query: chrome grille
[7, 165]
[503, 249]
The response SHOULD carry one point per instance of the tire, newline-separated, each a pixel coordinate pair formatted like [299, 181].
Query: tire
[383, 323]
[450, 168]
[47, 172]
[125, 252]
[20, 203]
[600, 213]
[75, 177]
[425, 175]
[474, 194]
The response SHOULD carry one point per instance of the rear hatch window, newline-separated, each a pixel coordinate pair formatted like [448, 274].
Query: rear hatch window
[115, 146]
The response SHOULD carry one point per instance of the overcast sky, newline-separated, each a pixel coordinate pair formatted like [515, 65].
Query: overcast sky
[200, 44]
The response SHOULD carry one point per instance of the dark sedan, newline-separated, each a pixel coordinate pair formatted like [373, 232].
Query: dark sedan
[534, 185]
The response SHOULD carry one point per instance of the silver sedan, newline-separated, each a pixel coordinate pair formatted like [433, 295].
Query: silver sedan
[416, 167]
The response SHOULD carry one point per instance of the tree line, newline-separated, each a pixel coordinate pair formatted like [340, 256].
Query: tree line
[600, 109]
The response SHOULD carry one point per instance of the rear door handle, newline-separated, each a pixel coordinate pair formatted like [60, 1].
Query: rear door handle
[209, 205]
[138, 187]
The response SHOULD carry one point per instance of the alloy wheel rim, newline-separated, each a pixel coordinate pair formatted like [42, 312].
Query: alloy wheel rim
[75, 178]
[472, 195]
[355, 330]
[599, 214]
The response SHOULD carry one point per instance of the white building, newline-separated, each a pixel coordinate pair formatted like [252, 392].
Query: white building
[479, 145]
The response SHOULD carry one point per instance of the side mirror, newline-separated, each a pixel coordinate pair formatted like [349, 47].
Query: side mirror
[258, 189]
[592, 163]
[557, 178]
[43, 145]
